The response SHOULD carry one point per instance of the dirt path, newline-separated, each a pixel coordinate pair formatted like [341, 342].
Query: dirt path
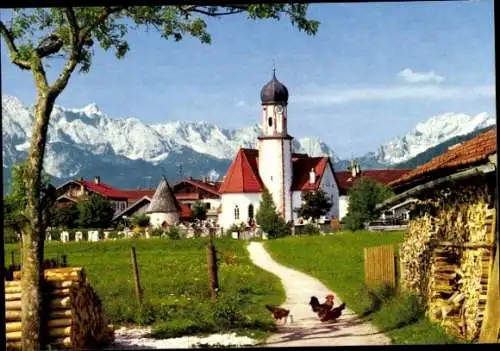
[306, 329]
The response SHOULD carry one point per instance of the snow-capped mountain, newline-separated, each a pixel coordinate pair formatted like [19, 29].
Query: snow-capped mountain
[126, 152]
[432, 132]
[81, 139]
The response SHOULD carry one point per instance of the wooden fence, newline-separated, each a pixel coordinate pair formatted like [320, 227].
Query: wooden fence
[380, 265]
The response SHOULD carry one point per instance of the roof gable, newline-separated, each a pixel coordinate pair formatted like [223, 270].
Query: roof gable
[470, 152]
[163, 199]
[213, 189]
[103, 189]
[243, 175]
[302, 167]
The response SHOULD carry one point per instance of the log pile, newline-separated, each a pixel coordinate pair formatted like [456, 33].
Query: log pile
[72, 312]
[446, 258]
[415, 254]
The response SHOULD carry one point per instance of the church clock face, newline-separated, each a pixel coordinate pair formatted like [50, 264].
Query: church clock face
[278, 109]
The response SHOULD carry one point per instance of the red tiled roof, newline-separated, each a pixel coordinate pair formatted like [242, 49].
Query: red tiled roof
[385, 176]
[103, 189]
[301, 169]
[187, 196]
[243, 174]
[470, 152]
[137, 194]
[185, 212]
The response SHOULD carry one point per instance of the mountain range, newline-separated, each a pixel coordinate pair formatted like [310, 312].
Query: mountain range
[128, 153]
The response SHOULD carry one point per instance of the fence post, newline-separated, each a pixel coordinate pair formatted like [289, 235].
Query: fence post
[64, 261]
[212, 269]
[12, 257]
[135, 271]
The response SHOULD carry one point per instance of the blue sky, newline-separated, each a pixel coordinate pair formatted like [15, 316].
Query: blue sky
[373, 71]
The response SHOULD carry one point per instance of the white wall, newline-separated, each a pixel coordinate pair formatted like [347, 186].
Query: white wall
[330, 187]
[343, 204]
[242, 200]
[271, 168]
[157, 218]
[296, 203]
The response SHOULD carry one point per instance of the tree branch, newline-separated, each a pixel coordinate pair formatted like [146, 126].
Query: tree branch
[73, 26]
[195, 8]
[14, 53]
[82, 38]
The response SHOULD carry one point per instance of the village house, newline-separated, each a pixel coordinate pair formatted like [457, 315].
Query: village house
[286, 175]
[346, 179]
[74, 191]
[125, 202]
[189, 190]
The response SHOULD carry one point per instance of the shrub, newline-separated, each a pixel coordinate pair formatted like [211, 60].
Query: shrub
[310, 229]
[95, 212]
[157, 232]
[114, 235]
[173, 233]
[227, 312]
[140, 221]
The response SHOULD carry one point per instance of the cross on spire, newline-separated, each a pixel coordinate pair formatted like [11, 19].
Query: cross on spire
[274, 67]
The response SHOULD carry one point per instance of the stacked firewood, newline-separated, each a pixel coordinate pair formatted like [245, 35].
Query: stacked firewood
[415, 253]
[446, 256]
[72, 313]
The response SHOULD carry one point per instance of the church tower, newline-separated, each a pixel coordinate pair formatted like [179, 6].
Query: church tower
[275, 146]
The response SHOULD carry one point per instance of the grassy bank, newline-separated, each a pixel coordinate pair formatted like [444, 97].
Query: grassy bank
[174, 278]
[337, 261]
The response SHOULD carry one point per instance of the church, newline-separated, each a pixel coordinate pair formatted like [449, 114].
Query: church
[273, 165]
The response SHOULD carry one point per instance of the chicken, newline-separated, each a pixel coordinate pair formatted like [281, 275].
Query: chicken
[321, 309]
[333, 314]
[279, 313]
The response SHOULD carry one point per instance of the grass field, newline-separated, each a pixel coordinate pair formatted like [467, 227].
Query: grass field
[174, 278]
[337, 261]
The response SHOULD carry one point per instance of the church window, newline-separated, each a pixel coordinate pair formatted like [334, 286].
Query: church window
[250, 211]
[207, 205]
[236, 213]
[271, 177]
[270, 121]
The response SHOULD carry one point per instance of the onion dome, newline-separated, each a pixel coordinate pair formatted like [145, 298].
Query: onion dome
[274, 92]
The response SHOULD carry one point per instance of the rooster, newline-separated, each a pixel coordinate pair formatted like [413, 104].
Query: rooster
[321, 309]
[280, 313]
[332, 315]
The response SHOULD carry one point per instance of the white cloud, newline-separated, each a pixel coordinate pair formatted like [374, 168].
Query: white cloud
[332, 96]
[241, 103]
[419, 77]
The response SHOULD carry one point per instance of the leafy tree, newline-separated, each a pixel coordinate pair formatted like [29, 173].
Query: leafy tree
[140, 220]
[314, 205]
[95, 212]
[268, 219]
[199, 210]
[34, 36]
[15, 201]
[363, 197]
[67, 216]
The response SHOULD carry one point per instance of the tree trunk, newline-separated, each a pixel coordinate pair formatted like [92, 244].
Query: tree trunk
[34, 231]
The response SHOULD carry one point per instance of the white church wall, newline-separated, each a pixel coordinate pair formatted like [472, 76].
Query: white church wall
[343, 204]
[288, 171]
[270, 168]
[243, 201]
